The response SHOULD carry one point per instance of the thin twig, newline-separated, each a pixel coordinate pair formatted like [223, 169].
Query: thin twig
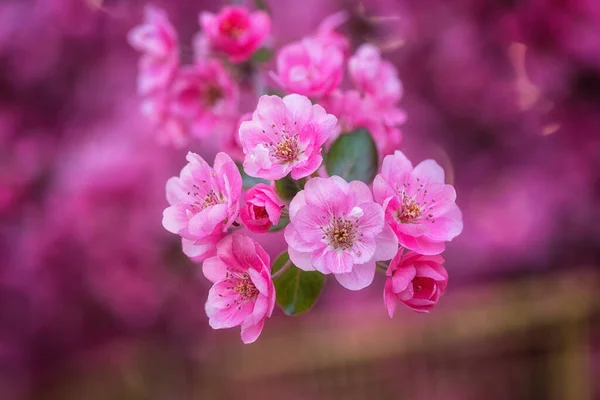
[285, 267]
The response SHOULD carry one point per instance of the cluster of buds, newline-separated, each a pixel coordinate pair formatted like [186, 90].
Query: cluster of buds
[318, 162]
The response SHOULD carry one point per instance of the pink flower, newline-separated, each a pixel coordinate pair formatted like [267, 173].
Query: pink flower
[204, 203]
[374, 76]
[262, 209]
[204, 95]
[419, 207]
[336, 227]
[356, 111]
[157, 40]
[235, 31]
[416, 280]
[310, 67]
[170, 128]
[243, 292]
[285, 135]
[328, 34]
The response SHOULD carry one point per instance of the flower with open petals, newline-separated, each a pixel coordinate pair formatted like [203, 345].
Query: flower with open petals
[235, 31]
[157, 40]
[204, 202]
[336, 228]
[242, 292]
[262, 209]
[418, 205]
[205, 96]
[285, 136]
[416, 280]
[311, 67]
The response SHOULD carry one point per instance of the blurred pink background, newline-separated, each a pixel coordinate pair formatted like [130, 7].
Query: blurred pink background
[97, 301]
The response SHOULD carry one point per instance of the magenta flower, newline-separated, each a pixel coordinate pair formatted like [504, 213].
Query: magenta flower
[262, 209]
[328, 32]
[204, 203]
[285, 136]
[375, 77]
[336, 228]
[311, 67]
[243, 292]
[416, 280]
[235, 31]
[157, 40]
[205, 96]
[419, 207]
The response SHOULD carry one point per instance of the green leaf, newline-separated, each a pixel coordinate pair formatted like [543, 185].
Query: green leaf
[283, 222]
[262, 55]
[353, 156]
[297, 290]
[247, 180]
[287, 187]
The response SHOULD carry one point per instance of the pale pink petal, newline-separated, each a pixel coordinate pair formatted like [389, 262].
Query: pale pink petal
[329, 196]
[387, 244]
[297, 202]
[214, 269]
[301, 260]
[205, 222]
[175, 218]
[359, 278]
[429, 171]
[335, 261]
[389, 298]
[402, 277]
[251, 332]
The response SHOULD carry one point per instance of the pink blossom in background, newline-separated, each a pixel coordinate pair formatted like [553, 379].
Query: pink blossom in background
[328, 33]
[242, 292]
[336, 228]
[419, 206]
[262, 209]
[416, 280]
[157, 40]
[356, 111]
[235, 31]
[231, 143]
[204, 202]
[285, 136]
[375, 77]
[169, 128]
[309, 67]
[204, 96]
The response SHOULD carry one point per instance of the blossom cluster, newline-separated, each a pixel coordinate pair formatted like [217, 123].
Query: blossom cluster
[341, 214]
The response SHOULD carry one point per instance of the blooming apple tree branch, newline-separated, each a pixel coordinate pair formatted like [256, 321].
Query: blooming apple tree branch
[318, 163]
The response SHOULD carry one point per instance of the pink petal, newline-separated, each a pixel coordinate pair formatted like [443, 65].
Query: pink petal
[389, 298]
[206, 221]
[402, 277]
[328, 195]
[259, 281]
[214, 269]
[299, 110]
[295, 239]
[429, 171]
[175, 218]
[372, 221]
[387, 244]
[297, 202]
[359, 278]
[302, 260]
[198, 251]
[176, 191]
[311, 165]
[251, 332]
[334, 261]
[395, 168]
[362, 193]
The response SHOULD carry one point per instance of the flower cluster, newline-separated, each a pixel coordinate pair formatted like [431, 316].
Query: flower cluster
[306, 167]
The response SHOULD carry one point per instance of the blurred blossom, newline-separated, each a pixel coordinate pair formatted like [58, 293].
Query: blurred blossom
[235, 31]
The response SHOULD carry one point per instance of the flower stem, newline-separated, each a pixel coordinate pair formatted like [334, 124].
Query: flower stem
[285, 267]
[382, 266]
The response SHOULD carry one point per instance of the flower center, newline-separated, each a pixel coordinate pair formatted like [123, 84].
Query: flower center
[409, 211]
[231, 29]
[340, 233]
[211, 95]
[245, 287]
[200, 203]
[287, 150]
[260, 212]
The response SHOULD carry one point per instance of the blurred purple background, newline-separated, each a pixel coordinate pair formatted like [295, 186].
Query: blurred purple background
[97, 301]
